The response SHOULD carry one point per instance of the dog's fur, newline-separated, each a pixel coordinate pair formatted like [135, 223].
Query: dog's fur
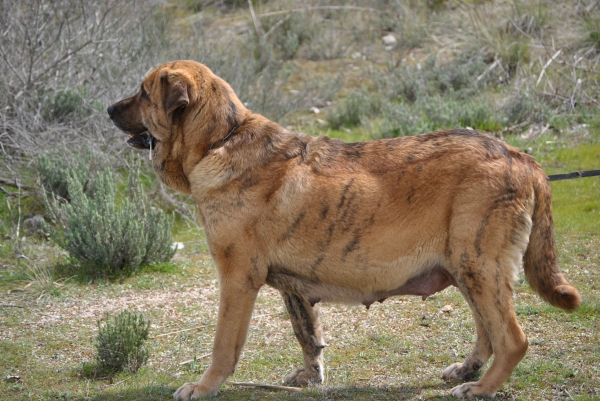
[326, 221]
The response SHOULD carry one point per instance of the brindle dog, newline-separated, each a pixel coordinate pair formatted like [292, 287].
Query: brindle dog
[326, 221]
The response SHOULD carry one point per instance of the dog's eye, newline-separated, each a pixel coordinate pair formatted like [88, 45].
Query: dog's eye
[144, 94]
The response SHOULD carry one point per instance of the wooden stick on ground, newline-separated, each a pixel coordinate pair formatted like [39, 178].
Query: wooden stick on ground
[269, 386]
[11, 306]
[197, 359]
[181, 331]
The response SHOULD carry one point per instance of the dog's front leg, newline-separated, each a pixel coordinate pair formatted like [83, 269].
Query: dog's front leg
[238, 292]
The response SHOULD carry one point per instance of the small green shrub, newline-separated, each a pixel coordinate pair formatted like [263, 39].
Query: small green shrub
[120, 342]
[106, 236]
[457, 79]
[510, 47]
[353, 110]
[63, 105]
[436, 113]
[591, 32]
[406, 83]
[527, 18]
[525, 107]
[299, 28]
[399, 119]
[444, 114]
[53, 170]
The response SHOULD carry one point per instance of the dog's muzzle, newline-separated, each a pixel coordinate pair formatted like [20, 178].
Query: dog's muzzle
[139, 139]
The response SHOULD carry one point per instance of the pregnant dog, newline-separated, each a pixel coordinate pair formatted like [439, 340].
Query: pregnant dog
[326, 221]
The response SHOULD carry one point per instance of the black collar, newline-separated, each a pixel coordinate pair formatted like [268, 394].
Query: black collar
[224, 139]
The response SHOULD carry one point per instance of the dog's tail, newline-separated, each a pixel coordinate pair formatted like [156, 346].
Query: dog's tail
[540, 261]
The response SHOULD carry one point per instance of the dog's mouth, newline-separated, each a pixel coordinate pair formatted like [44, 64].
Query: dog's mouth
[142, 141]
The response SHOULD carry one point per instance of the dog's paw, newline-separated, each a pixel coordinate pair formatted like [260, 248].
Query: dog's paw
[460, 372]
[193, 391]
[453, 372]
[303, 377]
[471, 390]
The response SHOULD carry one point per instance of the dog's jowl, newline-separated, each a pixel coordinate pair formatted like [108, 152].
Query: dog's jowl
[326, 221]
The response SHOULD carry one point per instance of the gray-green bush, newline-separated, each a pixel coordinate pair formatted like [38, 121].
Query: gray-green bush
[399, 119]
[64, 105]
[525, 107]
[106, 235]
[353, 110]
[120, 343]
[435, 113]
[461, 78]
[54, 169]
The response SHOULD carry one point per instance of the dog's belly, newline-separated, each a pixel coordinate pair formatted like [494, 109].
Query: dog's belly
[424, 284]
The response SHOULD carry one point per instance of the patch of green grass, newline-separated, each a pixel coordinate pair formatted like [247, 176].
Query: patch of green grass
[576, 203]
[354, 134]
[591, 30]
[164, 267]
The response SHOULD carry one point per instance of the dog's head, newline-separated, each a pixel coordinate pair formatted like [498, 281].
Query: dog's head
[180, 112]
[149, 116]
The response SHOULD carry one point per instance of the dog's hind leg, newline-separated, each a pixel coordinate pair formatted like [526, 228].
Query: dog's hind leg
[307, 327]
[476, 359]
[489, 294]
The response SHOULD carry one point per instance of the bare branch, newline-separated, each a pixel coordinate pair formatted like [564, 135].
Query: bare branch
[305, 9]
[547, 65]
[279, 23]
[257, 25]
[15, 184]
[269, 386]
[181, 331]
[11, 66]
[195, 359]
[64, 57]
[11, 306]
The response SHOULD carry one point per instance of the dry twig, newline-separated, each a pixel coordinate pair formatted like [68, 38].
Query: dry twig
[305, 9]
[269, 386]
[15, 184]
[547, 65]
[257, 25]
[195, 359]
[12, 306]
[180, 331]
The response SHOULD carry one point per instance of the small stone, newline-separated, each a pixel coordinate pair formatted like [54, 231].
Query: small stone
[315, 110]
[389, 40]
[34, 223]
[447, 309]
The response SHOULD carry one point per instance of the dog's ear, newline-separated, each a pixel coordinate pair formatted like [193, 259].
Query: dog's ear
[176, 96]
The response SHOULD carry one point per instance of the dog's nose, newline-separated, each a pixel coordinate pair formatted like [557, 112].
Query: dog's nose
[110, 110]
